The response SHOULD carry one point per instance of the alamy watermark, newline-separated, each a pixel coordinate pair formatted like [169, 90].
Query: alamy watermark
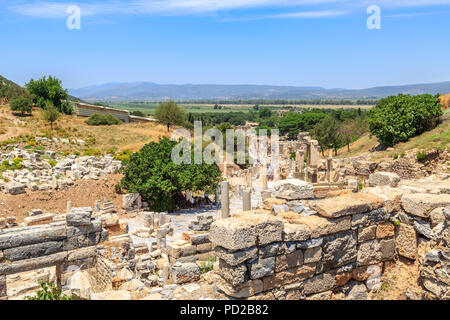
[374, 20]
[238, 146]
[74, 20]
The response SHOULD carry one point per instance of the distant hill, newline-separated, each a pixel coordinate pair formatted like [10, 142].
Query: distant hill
[10, 90]
[148, 91]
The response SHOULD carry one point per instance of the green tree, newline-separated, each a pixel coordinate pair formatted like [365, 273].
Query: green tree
[50, 113]
[351, 129]
[398, 118]
[22, 104]
[152, 173]
[170, 114]
[327, 132]
[265, 113]
[49, 89]
[293, 123]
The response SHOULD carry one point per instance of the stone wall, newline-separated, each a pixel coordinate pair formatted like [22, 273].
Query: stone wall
[65, 244]
[290, 256]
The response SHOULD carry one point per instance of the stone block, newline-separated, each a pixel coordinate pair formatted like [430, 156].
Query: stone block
[245, 290]
[387, 249]
[421, 204]
[271, 250]
[286, 277]
[320, 226]
[32, 251]
[339, 250]
[235, 275]
[32, 264]
[236, 257]
[185, 272]
[383, 179]
[270, 202]
[368, 233]
[406, 241]
[203, 248]
[313, 255]
[79, 216]
[288, 261]
[346, 205]
[296, 232]
[233, 234]
[319, 283]
[368, 253]
[385, 230]
[259, 268]
[293, 189]
[29, 236]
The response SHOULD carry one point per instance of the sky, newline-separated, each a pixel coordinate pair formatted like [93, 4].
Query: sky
[324, 43]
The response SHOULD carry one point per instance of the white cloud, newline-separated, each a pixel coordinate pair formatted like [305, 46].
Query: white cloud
[315, 8]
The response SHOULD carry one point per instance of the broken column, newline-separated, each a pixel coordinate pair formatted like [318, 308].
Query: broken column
[329, 168]
[225, 199]
[161, 238]
[249, 178]
[264, 177]
[247, 200]
[69, 206]
[300, 168]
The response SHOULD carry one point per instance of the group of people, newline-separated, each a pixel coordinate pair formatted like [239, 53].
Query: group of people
[200, 201]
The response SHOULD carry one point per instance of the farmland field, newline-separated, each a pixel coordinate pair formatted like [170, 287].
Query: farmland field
[150, 107]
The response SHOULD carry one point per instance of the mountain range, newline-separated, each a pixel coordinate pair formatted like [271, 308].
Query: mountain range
[149, 91]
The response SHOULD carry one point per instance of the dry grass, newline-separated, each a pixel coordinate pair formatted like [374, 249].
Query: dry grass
[131, 136]
[445, 101]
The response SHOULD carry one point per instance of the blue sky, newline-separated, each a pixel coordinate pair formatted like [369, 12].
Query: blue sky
[281, 42]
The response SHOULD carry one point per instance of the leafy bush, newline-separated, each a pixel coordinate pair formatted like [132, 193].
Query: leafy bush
[152, 173]
[138, 113]
[398, 118]
[22, 104]
[99, 119]
[49, 291]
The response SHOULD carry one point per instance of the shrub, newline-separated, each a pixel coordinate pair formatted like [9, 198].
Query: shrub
[395, 156]
[152, 173]
[138, 113]
[99, 119]
[21, 104]
[398, 118]
[53, 163]
[421, 156]
[49, 291]
[208, 265]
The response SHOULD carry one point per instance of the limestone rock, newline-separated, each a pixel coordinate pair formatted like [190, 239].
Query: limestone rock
[421, 204]
[346, 205]
[79, 285]
[293, 189]
[383, 179]
[406, 241]
[79, 216]
[185, 272]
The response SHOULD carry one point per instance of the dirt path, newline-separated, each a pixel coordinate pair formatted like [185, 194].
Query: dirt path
[82, 194]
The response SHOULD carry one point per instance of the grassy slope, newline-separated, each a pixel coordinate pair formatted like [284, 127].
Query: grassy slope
[439, 137]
